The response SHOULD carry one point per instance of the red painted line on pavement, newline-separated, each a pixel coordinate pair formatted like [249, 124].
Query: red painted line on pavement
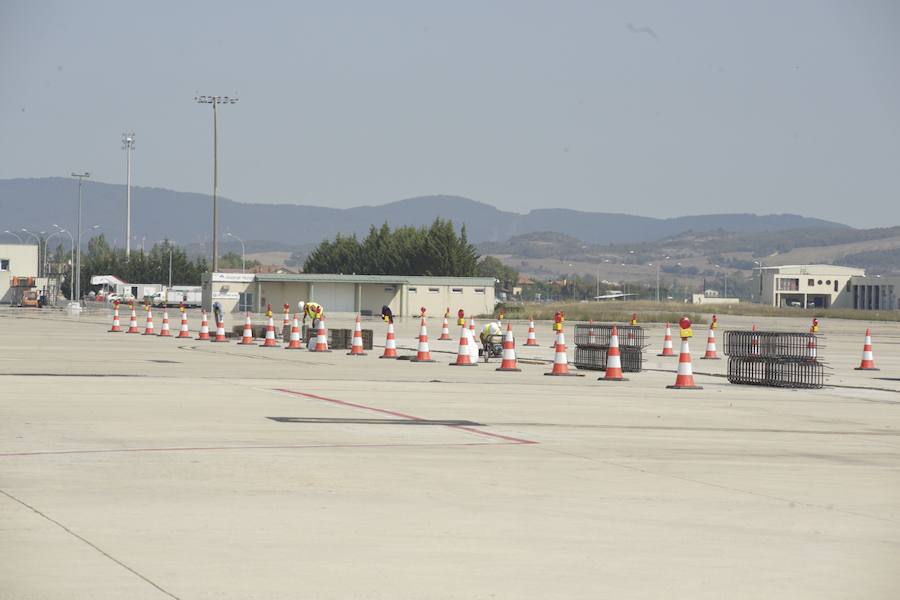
[394, 413]
[216, 448]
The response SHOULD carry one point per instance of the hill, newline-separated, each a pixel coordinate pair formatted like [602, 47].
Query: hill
[185, 217]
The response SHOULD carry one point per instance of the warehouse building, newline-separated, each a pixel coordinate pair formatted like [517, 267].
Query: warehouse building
[873, 293]
[366, 294]
[810, 286]
[17, 260]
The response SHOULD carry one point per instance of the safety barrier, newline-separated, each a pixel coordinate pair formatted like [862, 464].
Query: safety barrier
[592, 345]
[774, 359]
[594, 359]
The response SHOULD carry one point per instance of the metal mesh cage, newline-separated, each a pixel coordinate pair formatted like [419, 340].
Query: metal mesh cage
[594, 359]
[801, 373]
[771, 344]
[597, 335]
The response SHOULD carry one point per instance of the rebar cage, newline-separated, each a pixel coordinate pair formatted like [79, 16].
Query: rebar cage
[592, 346]
[782, 359]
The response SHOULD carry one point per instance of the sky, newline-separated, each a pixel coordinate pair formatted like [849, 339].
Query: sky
[651, 108]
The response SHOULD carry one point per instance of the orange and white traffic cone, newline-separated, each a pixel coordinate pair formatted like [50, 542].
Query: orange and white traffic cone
[247, 337]
[613, 359]
[560, 360]
[204, 327]
[509, 362]
[287, 317]
[473, 345]
[445, 330]
[148, 329]
[294, 339]
[710, 346]
[667, 349]
[464, 355]
[812, 350]
[116, 325]
[868, 359]
[270, 342]
[754, 342]
[423, 353]
[164, 330]
[185, 332]
[685, 378]
[321, 337]
[356, 347]
[220, 331]
[531, 340]
[132, 324]
[390, 343]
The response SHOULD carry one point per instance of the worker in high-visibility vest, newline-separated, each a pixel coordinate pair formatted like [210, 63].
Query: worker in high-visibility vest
[387, 315]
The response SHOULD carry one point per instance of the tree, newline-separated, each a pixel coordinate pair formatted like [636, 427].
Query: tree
[491, 266]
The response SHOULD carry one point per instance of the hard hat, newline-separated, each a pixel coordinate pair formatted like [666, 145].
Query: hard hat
[301, 305]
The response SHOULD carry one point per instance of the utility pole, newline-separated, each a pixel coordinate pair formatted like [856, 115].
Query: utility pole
[128, 147]
[76, 296]
[215, 101]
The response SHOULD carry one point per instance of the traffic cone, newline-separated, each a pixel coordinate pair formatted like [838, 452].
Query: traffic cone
[294, 340]
[164, 330]
[220, 331]
[445, 330]
[473, 345]
[868, 360]
[356, 347]
[204, 327]
[754, 342]
[667, 349]
[321, 337]
[132, 324]
[509, 362]
[423, 354]
[115, 326]
[560, 360]
[812, 350]
[613, 359]
[148, 329]
[270, 342]
[531, 340]
[390, 343]
[185, 332]
[287, 317]
[685, 378]
[710, 346]
[464, 355]
[247, 338]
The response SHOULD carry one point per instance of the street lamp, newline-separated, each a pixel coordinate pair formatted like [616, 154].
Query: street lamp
[657, 275]
[47, 248]
[21, 241]
[39, 244]
[215, 101]
[243, 253]
[128, 147]
[725, 277]
[77, 296]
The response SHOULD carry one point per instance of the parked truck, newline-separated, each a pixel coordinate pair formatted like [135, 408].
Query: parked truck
[190, 296]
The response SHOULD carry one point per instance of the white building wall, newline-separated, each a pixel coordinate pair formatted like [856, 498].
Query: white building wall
[16, 260]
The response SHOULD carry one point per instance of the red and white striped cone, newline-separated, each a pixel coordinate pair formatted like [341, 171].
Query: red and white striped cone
[247, 337]
[356, 347]
[270, 342]
[560, 360]
[531, 340]
[473, 345]
[464, 355]
[445, 330]
[812, 350]
[204, 327]
[185, 332]
[390, 343]
[148, 329]
[667, 349]
[423, 353]
[509, 362]
[613, 359]
[710, 346]
[116, 326]
[868, 359]
[321, 337]
[685, 378]
[294, 339]
[754, 342]
[132, 324]
[287, 319]
[164, 330]
[220, 332]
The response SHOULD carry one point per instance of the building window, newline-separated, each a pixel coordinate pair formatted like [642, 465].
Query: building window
[390, 289]
[245, 301]
[434, 290]
[788, 285]
[811, 282]
[827, 282]
[4, 264]
[836, 285]
[412, 290]
[849, 285]
[479, 290]
[456, 290]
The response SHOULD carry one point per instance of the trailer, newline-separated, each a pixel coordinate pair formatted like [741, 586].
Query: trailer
[190, 296]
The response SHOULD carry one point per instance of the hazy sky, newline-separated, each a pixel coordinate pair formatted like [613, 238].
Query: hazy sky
[652, 108]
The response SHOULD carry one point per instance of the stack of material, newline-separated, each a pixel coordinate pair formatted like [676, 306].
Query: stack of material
[774, 359]
[592, 346]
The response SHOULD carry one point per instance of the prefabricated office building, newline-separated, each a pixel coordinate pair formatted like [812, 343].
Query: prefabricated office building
[366, 294]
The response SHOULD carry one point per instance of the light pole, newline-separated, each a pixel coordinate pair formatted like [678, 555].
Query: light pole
[243, 253]
[21, 241]
[47, 248]
[215, 101]
[128, 147]
[71, 253]
[39, 243]
[77, 295]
